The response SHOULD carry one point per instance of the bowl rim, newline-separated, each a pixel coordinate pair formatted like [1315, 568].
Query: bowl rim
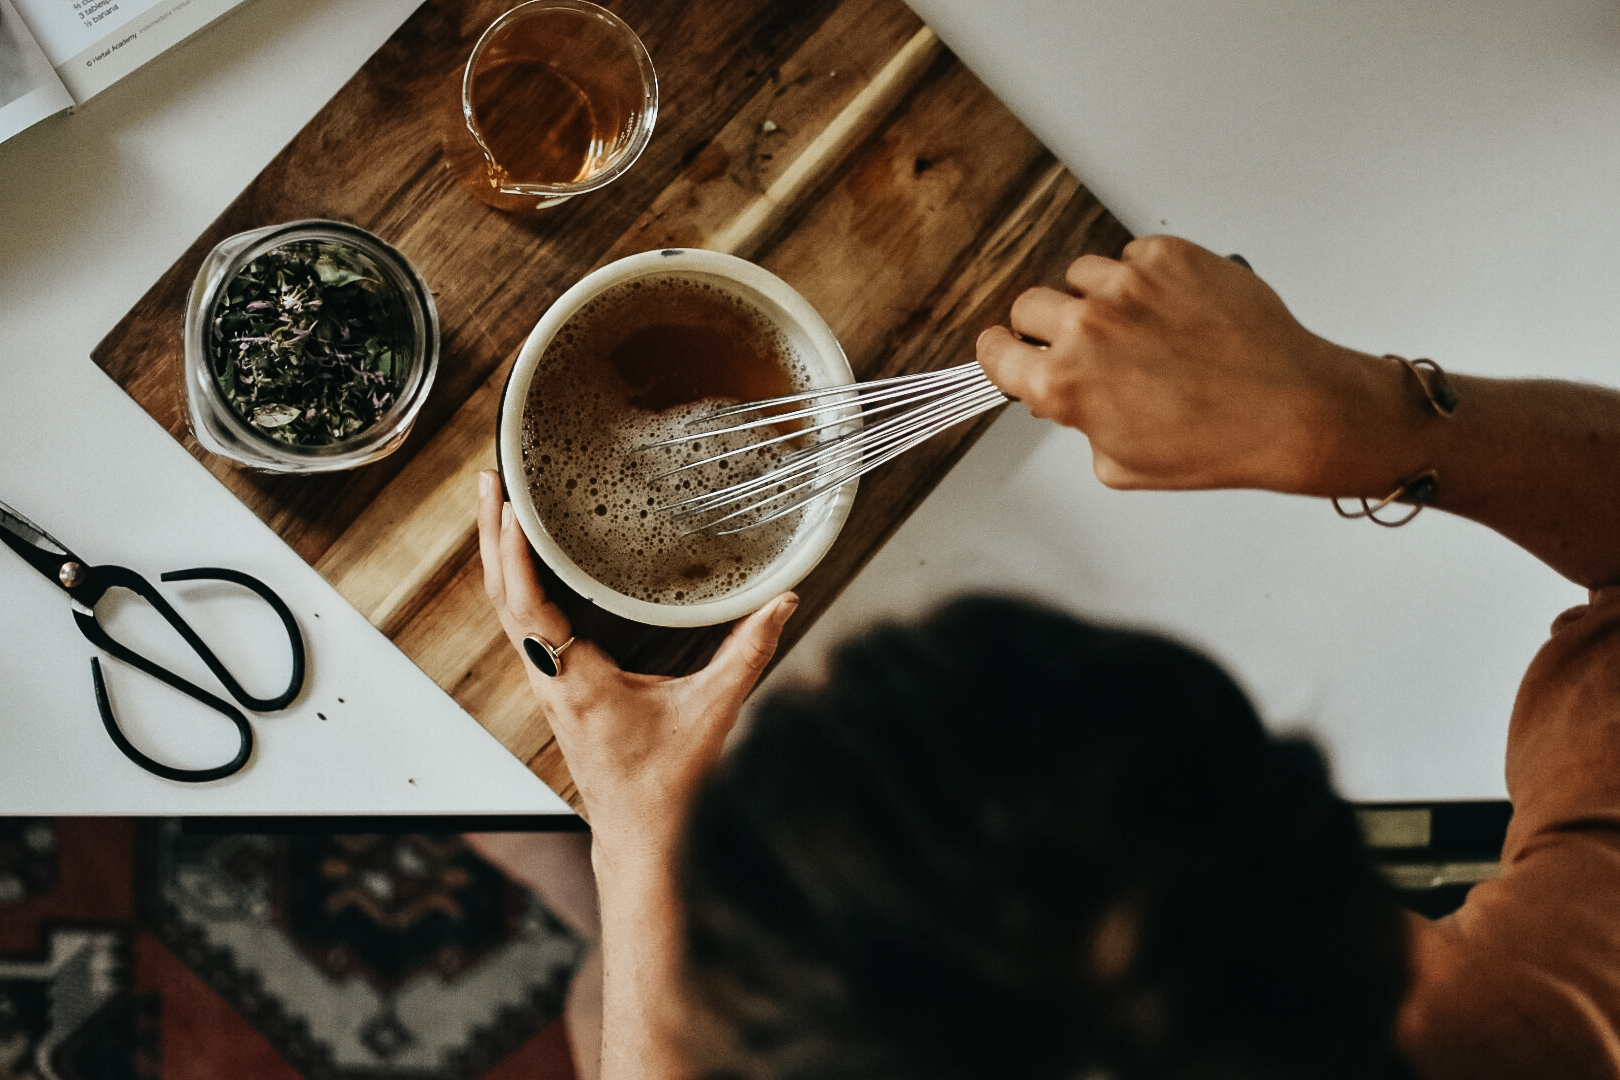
[829, 367]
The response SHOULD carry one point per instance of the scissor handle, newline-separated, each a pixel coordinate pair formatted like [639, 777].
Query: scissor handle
[244, 731]
[121, 577]
[295, 639]
[109, 577]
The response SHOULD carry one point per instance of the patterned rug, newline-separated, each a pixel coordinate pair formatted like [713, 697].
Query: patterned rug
[135, 950]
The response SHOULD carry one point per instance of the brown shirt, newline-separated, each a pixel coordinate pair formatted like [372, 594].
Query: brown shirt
[1524, 980]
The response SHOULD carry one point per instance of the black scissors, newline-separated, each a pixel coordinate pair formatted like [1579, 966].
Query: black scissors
[86, 585]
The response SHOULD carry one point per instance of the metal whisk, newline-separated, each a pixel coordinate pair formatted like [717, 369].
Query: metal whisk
[848, 440]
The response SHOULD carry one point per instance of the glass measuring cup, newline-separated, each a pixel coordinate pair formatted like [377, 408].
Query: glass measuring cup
[558, 97]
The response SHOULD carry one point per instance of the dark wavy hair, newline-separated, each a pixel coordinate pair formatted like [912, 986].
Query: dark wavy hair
[1006, 842]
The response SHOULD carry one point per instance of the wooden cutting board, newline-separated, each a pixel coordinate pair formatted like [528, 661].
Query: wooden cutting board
[834, 142]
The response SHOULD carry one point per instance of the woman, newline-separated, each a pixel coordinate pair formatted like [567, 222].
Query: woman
[1150, 885]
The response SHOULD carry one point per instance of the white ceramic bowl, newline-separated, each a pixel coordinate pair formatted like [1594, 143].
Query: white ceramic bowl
[811, 340]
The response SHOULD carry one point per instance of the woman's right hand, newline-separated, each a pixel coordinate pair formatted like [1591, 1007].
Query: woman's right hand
[1183, 368]
[1186, 371]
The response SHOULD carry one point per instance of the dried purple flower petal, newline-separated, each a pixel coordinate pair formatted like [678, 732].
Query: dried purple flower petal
[275, 326]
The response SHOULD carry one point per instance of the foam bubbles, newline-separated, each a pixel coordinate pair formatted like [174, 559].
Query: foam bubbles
[593, 486]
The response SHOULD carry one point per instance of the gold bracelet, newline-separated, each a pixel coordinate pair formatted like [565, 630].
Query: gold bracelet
[1436, 387]
[1422, 489]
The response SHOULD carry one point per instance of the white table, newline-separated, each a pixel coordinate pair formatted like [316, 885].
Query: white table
[1428, 177]
[93, 207]
[1434, 178]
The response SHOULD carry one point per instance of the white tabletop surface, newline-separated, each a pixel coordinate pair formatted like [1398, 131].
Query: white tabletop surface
[1433, 178]
[94, 206]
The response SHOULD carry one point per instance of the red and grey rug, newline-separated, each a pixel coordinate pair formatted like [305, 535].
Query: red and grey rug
[136, 950]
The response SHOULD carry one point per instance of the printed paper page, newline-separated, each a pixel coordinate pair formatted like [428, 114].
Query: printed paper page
[65, 28]
[94, 43]
[29, 89]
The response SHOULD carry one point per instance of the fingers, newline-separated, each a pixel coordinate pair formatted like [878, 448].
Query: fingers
[747, 650]
[489, 536]
[527, 607]
[515, 591]
[1053, 335]
[1060, 317]
[1092, 274]
[1012, 363]
[509, 575]
[1043, 316]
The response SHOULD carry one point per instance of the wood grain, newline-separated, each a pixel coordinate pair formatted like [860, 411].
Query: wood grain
[836, 143]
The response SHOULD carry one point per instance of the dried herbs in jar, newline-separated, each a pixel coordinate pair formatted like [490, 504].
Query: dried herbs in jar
[308, 343]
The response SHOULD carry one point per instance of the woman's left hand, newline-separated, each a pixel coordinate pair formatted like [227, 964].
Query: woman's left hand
[637, 745]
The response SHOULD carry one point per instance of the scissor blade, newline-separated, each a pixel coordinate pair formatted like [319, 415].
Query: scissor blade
[28, 532]
[37, 547]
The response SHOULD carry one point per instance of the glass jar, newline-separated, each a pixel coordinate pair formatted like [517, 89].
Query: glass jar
[408, 319]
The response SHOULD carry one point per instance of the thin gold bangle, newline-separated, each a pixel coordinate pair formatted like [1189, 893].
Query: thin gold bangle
[1422, 489]
[1436, 387]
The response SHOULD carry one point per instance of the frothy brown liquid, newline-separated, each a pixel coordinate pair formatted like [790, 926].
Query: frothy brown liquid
[629, 369]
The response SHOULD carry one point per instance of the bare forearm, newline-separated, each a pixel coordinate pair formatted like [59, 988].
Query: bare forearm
[1539, 461]
[1187, 371]
[641, 982]
[638, 747]
[1536, 460]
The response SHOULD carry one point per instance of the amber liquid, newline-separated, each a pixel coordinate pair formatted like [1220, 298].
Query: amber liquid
[696, 347]
[553, 99]
[539, 127]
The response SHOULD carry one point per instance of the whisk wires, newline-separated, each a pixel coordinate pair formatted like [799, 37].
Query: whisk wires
[853, 429]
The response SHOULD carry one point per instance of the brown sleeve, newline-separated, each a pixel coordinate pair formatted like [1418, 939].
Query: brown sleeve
[1524, 980]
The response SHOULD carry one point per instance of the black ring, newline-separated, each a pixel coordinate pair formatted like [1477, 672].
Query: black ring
[546, 657]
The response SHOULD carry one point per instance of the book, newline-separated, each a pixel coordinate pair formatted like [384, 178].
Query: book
[57, 54]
